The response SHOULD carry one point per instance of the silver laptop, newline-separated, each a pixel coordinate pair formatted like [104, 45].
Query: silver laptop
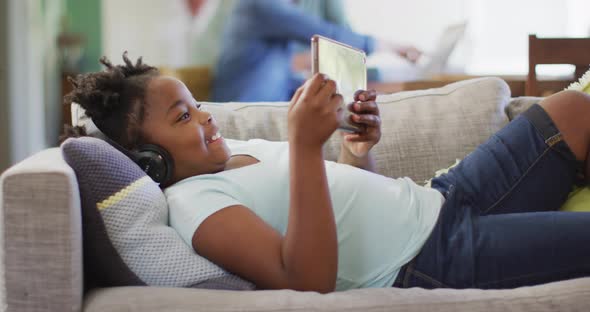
[430, 63]
[436, 61]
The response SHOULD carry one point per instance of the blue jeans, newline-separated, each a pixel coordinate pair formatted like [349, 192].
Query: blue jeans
[498, 227]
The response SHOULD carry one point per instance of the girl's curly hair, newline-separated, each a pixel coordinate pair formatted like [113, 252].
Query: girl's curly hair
[114, 99]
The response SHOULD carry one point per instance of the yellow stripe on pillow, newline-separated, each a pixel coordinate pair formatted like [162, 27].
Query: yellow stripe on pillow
[120, 195]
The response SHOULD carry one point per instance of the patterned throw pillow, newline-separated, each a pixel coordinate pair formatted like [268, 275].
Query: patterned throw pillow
[126, 237]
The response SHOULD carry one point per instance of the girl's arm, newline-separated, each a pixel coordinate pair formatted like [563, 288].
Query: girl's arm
[366, 162]
[306, 258]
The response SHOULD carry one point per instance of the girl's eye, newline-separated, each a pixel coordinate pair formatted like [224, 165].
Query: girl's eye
[184, 116]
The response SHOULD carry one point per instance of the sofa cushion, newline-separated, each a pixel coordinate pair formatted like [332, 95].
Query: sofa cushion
[520, 104]
[127, 240]
[430, 129]
[570, 295]
[422, 131]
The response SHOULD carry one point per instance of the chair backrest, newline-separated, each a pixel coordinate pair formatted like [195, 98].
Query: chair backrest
[574, 51]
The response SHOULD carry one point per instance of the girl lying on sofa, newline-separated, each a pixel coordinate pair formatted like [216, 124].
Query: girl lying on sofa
[279, 215]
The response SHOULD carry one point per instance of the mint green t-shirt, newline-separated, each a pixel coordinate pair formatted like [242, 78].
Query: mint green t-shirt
[382, 223]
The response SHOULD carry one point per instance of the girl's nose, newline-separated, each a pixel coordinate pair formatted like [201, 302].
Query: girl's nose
[205, 118]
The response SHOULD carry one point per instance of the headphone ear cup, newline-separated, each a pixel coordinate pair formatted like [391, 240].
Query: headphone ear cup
[156, 162]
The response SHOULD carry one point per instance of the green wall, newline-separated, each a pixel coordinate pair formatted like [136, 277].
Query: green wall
[84, 17]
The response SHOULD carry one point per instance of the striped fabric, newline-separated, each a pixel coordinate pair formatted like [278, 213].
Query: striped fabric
[116, 198]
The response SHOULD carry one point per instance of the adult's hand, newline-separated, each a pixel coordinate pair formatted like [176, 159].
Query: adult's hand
[301, 61]
[408, 52]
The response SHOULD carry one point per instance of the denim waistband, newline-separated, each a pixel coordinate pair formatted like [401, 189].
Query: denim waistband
[546, 127]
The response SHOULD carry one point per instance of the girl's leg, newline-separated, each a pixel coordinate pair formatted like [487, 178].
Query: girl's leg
[514, 250]
[485, 237]
[532, 163]
[508, 251]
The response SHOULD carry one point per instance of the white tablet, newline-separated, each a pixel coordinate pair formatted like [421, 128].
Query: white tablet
[345, 65]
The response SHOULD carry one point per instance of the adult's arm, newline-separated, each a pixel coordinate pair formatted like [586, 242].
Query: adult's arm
[334, 12]
[281, 20]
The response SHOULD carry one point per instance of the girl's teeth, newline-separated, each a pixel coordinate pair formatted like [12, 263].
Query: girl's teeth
[215, 137]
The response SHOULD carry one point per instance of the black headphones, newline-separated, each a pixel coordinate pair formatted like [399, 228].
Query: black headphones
[154, 160]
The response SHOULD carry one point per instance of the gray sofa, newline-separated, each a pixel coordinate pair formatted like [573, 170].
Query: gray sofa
[423, 131]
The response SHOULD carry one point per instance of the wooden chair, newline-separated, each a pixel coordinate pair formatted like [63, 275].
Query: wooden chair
[575, 51]
[198, 79]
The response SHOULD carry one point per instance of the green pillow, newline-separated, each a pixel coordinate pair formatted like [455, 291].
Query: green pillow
[577, 200]
[582, 85]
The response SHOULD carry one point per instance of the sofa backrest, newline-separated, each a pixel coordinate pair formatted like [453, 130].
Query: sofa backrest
[422, 131]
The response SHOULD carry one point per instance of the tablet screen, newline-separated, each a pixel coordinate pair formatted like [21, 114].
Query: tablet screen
[343, 64]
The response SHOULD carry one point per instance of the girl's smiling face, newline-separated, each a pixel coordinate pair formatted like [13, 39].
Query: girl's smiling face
[175, 122]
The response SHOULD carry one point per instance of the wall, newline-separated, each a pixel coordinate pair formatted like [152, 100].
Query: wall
[497, 38]
[31, 97]
[158, 31]
[25, 84]
[164, 32]
[84, 17]
[5, 149]
[579, 24]
[51, 15]
[501, 28]
[495, 42]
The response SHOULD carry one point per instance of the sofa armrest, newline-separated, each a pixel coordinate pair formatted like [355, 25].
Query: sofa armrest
[41, 235]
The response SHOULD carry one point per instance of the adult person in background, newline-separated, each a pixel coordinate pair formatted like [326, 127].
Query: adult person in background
[331, 11]
[208, 20]
[259, 45]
